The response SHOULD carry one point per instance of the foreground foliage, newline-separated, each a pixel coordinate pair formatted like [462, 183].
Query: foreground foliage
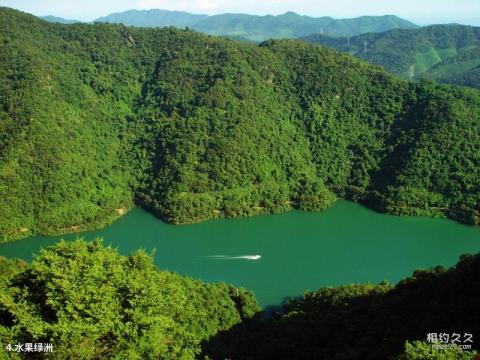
[365, 321]
[92, 303]
[419, 350]
[97, 118]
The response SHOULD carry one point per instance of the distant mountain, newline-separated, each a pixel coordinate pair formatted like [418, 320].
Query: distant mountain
[153, 18]
[292, 25]
[259, 28]
[56, 19]
[447, 53]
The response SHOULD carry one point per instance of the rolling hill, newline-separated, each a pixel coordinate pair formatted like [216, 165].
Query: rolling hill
[291, 25]
[259, 28]
[446, 53]
[153, 18]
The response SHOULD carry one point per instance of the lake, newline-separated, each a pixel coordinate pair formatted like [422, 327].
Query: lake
[299, 250]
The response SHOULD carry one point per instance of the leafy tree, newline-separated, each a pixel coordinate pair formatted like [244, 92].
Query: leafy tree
[419, 350]
[92, 303]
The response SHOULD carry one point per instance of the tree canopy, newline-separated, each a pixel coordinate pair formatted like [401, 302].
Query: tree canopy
[90, 302]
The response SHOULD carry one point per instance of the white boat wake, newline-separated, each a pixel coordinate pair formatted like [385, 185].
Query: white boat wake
[243, 257]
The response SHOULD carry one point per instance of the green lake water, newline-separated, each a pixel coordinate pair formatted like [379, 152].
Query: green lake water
[299, 250]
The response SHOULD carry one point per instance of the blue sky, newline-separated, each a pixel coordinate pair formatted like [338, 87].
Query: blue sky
[420, 11]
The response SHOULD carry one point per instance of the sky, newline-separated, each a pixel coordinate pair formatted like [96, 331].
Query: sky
[422, 12]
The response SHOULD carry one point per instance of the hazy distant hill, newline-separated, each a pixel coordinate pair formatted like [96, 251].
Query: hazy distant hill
[153, 18]
[56, 19]
[292, 25]
[447, 53]
[259, 28]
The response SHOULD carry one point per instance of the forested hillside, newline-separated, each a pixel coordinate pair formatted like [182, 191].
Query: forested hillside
[97, 118]
[259, 28]
[447, 53]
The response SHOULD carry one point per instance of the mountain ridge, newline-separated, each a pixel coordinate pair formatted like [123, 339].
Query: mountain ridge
[57, 19]
[252, 28]
[153, 18]
[262, 27]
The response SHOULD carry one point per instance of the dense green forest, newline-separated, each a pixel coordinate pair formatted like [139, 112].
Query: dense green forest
[259, 28]
[97, 118]
[446, 53]
[92, 303]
